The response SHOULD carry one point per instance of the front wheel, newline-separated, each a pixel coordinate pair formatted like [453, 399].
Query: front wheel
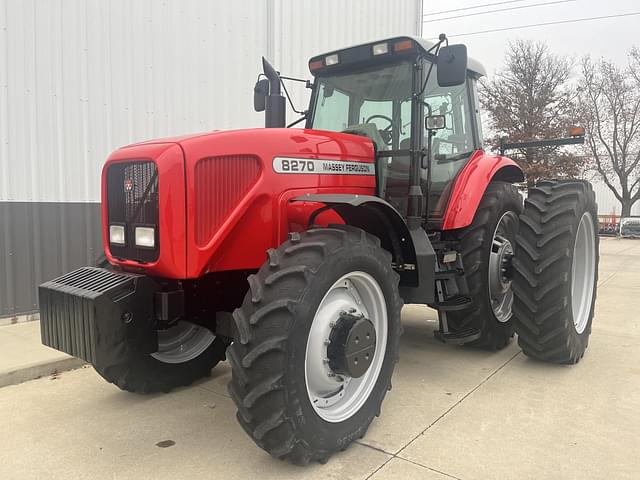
[556, 271]
[318, 339]
[186, 353]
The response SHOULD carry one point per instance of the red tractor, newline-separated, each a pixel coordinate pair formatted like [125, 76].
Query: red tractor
[290, 252]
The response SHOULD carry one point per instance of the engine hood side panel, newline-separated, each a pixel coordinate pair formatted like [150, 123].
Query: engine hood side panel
[258, 217]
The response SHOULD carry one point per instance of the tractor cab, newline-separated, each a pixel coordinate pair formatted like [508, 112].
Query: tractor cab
[398, 93]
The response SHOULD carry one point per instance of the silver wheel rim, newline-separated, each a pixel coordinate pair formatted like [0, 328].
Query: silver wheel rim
[583, 271]
[182, 342]
[500, 291]
[336, 398]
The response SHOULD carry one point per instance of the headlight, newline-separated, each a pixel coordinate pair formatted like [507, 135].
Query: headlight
[145, 237]
[116, 234]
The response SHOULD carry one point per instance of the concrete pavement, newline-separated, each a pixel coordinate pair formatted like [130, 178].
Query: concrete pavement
[24, 358]
[453, 413]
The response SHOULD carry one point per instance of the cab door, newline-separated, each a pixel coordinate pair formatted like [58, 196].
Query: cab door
[452, 146]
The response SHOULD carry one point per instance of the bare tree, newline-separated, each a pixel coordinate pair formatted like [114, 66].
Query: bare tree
[610, 106]
[532, 98]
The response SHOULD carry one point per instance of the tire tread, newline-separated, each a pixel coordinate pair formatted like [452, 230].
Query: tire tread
[542, 281]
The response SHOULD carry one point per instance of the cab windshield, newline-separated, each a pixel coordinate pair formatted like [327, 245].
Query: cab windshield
[374, 102]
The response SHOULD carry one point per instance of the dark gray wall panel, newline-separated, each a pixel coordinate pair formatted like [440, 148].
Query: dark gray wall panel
[39, 241]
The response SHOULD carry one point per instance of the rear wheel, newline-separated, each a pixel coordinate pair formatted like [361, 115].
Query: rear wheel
[318, 339]
[487, 246]
[186, 352]
[556, 271]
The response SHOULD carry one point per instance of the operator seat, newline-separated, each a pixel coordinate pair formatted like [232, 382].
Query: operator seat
[367, 130]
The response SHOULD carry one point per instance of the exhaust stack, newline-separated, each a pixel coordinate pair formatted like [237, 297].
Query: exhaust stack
[275, 106]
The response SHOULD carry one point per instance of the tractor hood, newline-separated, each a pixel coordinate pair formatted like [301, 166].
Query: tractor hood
[238, 181]
[215, 190]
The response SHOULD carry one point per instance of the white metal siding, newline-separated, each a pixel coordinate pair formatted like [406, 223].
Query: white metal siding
[608, 204]
[79, 78]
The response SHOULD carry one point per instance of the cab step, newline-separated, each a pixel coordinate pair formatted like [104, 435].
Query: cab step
[453, 304]
[457, 338]
[449, 274]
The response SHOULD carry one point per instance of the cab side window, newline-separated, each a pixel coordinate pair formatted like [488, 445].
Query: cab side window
[457, 136]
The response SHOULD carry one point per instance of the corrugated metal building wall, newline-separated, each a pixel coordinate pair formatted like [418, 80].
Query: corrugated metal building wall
[78, 78]
[608, 204]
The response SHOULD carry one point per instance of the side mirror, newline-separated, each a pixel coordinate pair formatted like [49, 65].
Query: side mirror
[260, 92]
[452, 65]
[435, 122]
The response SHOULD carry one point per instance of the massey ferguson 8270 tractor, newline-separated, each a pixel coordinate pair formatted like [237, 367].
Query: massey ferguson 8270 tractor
[290, 252]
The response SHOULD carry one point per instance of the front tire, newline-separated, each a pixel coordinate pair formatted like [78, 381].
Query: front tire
[290, 400]
[186, 353]
[556, 271]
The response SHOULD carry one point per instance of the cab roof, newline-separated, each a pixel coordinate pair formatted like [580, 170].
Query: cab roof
[423, 45]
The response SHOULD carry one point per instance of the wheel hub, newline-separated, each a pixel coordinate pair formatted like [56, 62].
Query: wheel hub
[352, 344]
[182, 342]
[500, 265]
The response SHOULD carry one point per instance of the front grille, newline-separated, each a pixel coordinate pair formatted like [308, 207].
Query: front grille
[132, 201]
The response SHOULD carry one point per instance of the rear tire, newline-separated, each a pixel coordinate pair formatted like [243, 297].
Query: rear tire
[556, 271]
[501, 203]
[271, 384]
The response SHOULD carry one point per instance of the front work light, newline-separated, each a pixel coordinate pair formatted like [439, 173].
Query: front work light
[380, 49]
[145, 237]
[331, 60]
[116, 234]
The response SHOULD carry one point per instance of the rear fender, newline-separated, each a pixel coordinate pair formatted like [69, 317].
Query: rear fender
[471, 183]
[413, 256]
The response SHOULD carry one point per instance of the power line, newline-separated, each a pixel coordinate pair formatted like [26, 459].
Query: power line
[499, 10]
[471, 8]
[629, 14]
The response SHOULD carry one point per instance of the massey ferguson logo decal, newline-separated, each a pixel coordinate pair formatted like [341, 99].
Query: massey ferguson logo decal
[128, 185]
[317, 166]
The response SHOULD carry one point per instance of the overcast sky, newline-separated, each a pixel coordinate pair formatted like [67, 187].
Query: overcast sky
[611, 38]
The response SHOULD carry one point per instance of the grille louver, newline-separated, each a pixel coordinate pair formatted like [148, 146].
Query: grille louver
[220, 183]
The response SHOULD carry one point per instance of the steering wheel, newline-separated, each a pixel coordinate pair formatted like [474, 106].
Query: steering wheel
[385, 133]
